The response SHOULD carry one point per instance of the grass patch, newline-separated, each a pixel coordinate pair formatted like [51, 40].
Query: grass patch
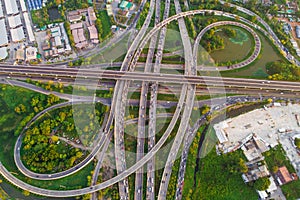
[106, 23]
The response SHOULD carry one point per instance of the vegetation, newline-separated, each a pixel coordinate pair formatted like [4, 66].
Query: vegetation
[173, 180]
[44, 146]
[51, 13]
[229, 32]
[261, 10]
[297, 142]
[25, 105]
[103, 24]
[143, 15]
[219, 177]
[262, 184]
[75, 4]
[283, 71]
[10, 121]
[3, 194]
[211, 41]
[69, 33]
[275, 157]
[191, 165]
[291, 190]
[40, 17]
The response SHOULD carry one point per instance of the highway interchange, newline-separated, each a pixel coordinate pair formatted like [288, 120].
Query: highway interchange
[149, 83]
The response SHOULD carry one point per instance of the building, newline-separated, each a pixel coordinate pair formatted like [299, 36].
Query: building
[28, 27]
[91, 15]
[93, 34]
[23, 5]
[14, 21]
[256, 171]
[254, 148]
[76, 26]
[109, 10]
[17, 34]
[3, 33]
[11, 7]
[46, 45]
[125, 5]
[3, 53]
[57, 41]
[297, 30]
[20, 54]
[78, 35]
[283, 176]
[1, 10]
[34, 4]
[31, 53]
[55, 31]
[65, 38]
[75, 18]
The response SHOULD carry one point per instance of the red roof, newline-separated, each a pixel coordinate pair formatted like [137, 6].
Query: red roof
[284, 175]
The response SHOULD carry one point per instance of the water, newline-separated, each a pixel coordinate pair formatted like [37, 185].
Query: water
[235, 48]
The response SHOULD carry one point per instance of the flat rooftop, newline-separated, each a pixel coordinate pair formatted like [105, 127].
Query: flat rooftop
[273, 125]
[264, 123]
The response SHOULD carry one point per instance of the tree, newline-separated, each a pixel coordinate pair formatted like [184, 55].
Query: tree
[275, 169]
[262, 184]
[253, 18]
[26, 193]
[243, 166]
[297, 142]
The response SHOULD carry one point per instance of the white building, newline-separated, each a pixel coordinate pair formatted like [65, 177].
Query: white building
[17, 34]
[31, 53]
[28, 27]
[3, 33]
[23, 5]
[14, 21]
[1, 10]
[3, 53]
[11, 7]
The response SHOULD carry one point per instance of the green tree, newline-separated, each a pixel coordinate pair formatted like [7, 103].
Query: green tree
[243, 166]
[297, 142]
[26, 193]
[262, 184]
[274, 169]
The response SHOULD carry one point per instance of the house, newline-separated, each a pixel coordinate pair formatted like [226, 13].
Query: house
[93, 34]
[283, 176]
[109, 10]
[46, 45]
[91, 15]
[76, 26]
[31, 53]
[75, 18]
[255, 171]
[125, 5]
[20, 54]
